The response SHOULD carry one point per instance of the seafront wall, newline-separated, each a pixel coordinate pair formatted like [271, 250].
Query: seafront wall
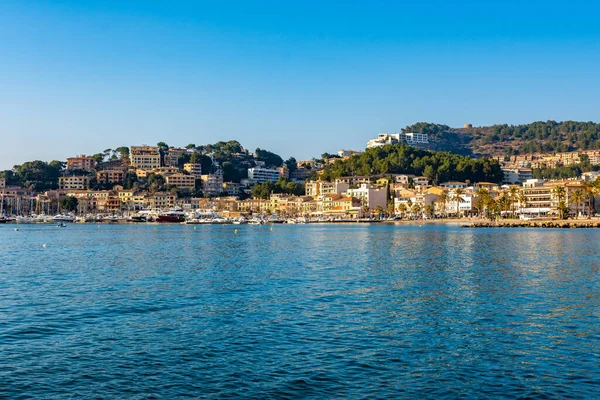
[534, 224]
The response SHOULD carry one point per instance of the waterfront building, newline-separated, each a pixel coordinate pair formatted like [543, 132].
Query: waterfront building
[466, 205]
[2, 184]
[193, 169]
[212, 184]
[369, 196]
[261, 174]
[110, 176]
[145, 157]
[81, 162]
[421, 200]
[327, 201]
[181, 181]
[317, 188]
[162, 200]
[73, 182]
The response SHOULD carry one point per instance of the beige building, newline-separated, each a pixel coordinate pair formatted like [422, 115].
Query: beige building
[181, 181]
[74, 182]
[172, 156]
[145, 157]
[81, 162]
[110, 176]
[162, 200]
[319, 188]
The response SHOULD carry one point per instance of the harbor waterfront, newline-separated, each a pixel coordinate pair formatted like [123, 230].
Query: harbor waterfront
[316, 310]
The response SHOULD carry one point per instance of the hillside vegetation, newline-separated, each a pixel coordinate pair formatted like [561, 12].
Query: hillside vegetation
[495, 140]
[401, 159]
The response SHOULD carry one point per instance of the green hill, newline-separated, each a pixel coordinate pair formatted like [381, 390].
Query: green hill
[495, 140]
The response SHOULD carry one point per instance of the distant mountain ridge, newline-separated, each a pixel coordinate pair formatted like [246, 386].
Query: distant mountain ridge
[504, 139]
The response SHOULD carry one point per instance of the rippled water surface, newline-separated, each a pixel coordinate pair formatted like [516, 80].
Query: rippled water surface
[300, 311]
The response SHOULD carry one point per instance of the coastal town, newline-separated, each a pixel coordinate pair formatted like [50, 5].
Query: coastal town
[143, 183]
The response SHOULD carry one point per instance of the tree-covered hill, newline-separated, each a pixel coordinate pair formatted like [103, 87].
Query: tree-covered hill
[401, 159]
[503, 139]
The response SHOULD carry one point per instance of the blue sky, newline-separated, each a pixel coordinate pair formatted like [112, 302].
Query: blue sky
[298, 78]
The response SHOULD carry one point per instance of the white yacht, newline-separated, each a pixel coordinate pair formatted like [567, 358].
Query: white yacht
[62, 218]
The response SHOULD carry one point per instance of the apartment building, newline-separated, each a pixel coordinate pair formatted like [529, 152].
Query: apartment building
[145, 157]
[369, 196]
[173, 155]
[516, 175]
[162, 200]
[212, 184]
[181, 181]
[110, 176]
[73, 182]
[193, 169]
[231, 188]
[318, 188]
[81, 162]
[261, 174]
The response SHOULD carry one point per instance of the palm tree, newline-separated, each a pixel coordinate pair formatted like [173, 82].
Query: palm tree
[513, 194]
[560, 193]
[590, 190]
[379, 211]
[458, 198]
[402, 209]
[442, 200]
[482, 197]
[429, 210]
[390, 209]
[577, 197]
[416, 209]
[366, 210]
[504, 202]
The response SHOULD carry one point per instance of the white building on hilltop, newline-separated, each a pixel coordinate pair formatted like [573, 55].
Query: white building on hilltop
[410, 138]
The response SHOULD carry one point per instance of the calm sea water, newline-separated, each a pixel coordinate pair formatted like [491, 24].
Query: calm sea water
[312, 311]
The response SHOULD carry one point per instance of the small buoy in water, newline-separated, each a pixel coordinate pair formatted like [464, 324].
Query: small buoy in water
[154, 228]
[235, 231]
[44, 245]
[271, 228]
[16, 229]
[194, 228]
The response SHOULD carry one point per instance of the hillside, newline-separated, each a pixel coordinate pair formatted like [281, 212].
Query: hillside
[498, 140]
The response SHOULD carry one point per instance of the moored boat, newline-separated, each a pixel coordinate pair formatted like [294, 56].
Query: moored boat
[62, 218]
[174, 215]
